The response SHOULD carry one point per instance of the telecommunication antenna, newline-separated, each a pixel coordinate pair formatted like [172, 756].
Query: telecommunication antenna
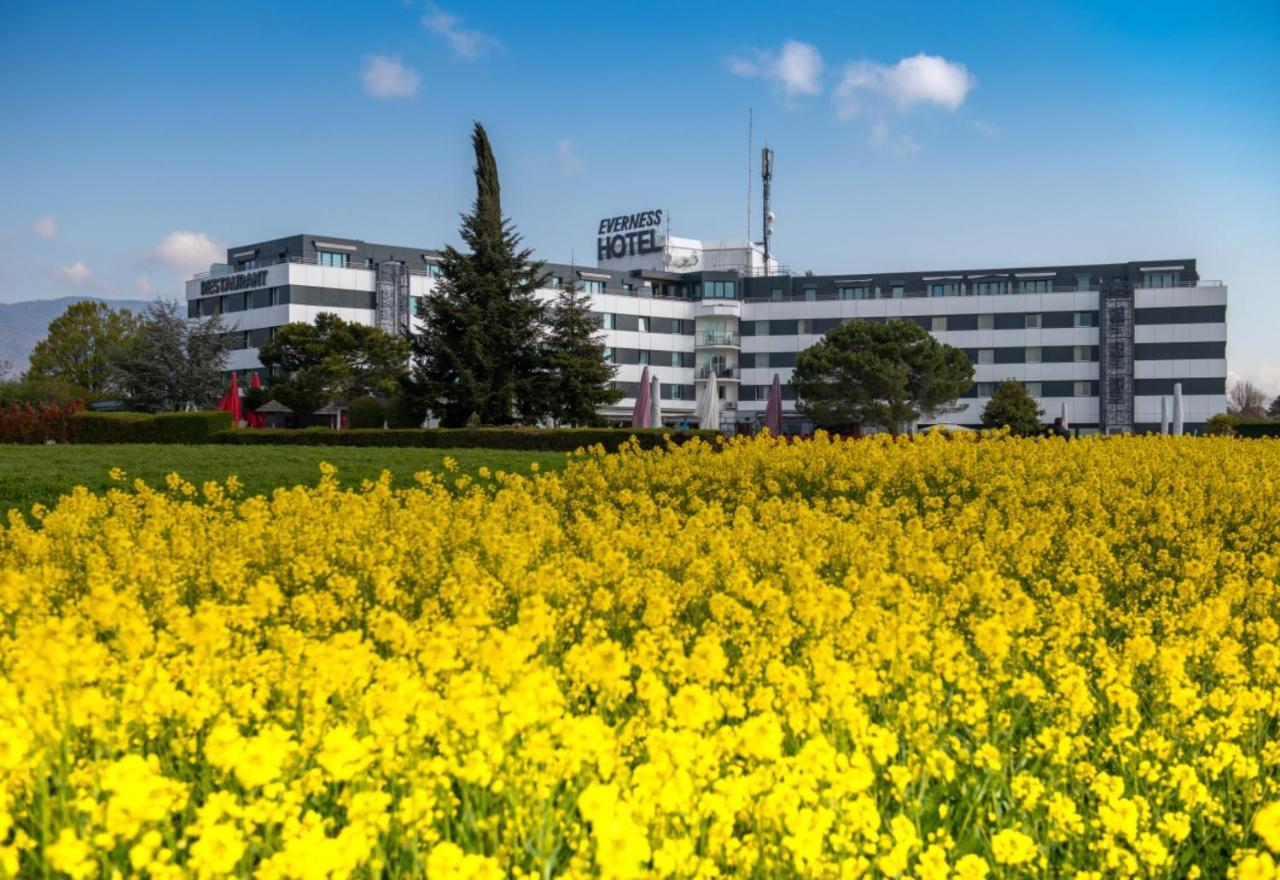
[750, 152]
[766, 178]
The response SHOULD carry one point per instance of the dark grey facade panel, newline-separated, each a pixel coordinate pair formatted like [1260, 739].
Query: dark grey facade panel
[1181, 315]
[962, 322]
[1179, 351]
[1156, 387]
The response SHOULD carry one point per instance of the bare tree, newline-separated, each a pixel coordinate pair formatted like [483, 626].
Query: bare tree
[1247, 400]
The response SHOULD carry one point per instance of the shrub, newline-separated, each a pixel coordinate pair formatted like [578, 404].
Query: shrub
[1221, 425]
[29, 422]
[185, 427]
[534, 439]
[1257, 428]
[367, 412]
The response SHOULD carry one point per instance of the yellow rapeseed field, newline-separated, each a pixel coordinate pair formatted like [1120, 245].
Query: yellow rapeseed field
[936, 658]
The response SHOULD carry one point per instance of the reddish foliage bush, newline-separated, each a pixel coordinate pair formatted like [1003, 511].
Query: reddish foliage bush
[28, 422]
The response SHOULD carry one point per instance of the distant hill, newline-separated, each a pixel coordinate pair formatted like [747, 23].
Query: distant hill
[23, 324]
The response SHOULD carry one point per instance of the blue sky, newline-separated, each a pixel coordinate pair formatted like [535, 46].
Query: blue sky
[908, 136]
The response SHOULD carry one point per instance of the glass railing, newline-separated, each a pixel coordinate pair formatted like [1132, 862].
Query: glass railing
[719, 372]
[712, 338]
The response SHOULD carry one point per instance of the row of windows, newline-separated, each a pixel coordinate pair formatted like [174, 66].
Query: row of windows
[646, 356]
[996, 287]
[667, 392]
[645, 323]
[933, 323]
[256, 338]
[1082, 388]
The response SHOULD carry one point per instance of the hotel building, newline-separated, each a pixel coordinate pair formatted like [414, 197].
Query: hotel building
[1107, 340]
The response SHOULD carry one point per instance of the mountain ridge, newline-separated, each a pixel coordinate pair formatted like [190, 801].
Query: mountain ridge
[23, 324]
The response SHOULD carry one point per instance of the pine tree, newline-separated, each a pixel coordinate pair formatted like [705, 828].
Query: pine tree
[1012, 406]
[481, 352]
[577, 373]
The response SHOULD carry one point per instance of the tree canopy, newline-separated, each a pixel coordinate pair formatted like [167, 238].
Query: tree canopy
[332, 359]
[481, 352]
[577, 373]
[887, 375]
[83, 347]
[1012, 406]
[173, 361]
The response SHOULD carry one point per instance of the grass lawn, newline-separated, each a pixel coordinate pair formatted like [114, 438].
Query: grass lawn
[41, 474]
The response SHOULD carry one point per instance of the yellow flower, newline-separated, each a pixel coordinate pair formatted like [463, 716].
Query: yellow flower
[217, 850]
[1266, 824]
[1011, 847]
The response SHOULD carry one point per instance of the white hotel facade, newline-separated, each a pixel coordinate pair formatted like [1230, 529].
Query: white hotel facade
[1110, 341]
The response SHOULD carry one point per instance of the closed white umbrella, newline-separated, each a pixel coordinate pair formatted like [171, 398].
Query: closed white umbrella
[709, 410]
[655, 403]
[1065, 423]
[1164, 414]
[1177, 409]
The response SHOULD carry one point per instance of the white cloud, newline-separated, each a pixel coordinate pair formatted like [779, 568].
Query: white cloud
[46, 227]
[76, 273]
[143, 283]
[189, 251]
[868, 87]
[569, 161]
[470, 44]
[796, 68]
[385, 76]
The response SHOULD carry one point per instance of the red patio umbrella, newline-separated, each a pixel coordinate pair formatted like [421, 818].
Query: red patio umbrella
[640, 415]
[773, 409]
[254, 419]
[231, 400]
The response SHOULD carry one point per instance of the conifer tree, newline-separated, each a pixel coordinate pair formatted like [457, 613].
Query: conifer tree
[577, 373]
[1012, 406]
[480, 354]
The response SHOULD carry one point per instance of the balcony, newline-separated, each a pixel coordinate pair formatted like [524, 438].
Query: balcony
[709, 339]
[721, 373]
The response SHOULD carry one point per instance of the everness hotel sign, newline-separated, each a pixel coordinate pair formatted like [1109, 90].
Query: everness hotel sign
[628, 235]
[231, 283]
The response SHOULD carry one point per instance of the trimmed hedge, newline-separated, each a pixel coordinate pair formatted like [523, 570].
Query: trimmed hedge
[541, 439]
[1258, 429]
[184, 427]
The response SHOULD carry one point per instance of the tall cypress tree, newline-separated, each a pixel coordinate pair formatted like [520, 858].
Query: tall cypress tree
[577, 373]
[481, 352]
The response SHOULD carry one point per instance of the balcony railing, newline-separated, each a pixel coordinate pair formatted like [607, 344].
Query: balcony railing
[710, 339]
[720, 372]
[831, 296]
[411, 268]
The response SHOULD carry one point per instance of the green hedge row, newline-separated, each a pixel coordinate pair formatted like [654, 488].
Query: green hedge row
[184, 427]
[1257, 429]
[542, 439]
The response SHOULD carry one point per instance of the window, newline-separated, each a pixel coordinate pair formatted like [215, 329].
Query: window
[433, 270]
[938, 323]
[593, 287]
[989, 288]
[1033, 321]
[675, 358]
[762, 328]
[279, 296]
[642, 356]
[775, 294]
[1082, 281]
[1086, 319]
[944, 290]
[332, 258]
[804, 325]
[986, 322]
[1083, 353]
[1082, 389]
[810, 294]
[719, 289]
[642, 324]
[606, 321]
[1033, 354]
[628, 287]
[986, 356]
[986, 389]
[249, 264]
[368, 262]
[1033, 388]
[1163, 279]
[896, 291]
[762, 360]
[854, 292]
[1034, 285]
[415, 306]
[608, 354]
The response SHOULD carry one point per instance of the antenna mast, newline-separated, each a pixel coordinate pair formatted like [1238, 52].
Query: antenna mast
[750, 149]
[766, 177]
